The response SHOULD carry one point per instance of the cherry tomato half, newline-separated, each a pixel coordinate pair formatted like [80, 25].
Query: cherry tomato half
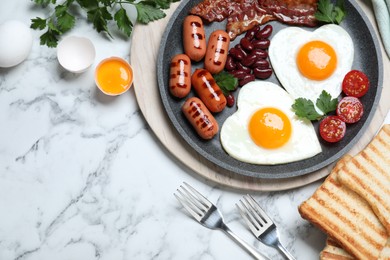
[350, 109]
[355, 83]
[332, 129]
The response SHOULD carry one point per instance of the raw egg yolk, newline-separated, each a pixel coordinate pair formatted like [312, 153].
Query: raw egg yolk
[316, 60]
[114, 76]
[269, 128]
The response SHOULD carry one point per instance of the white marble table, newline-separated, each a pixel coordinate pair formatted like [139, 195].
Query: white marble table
[83, 177]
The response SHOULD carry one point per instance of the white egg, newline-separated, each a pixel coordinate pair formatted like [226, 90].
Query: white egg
[15, 43]
[236, 133]
[283, 52]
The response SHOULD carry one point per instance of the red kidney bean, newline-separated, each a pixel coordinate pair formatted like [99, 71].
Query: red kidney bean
[239, 74]
[250, 59]
[230, 100]
[261, 44]
[236, 54]
[248, 78]
[240, 49]
[262, 73]
[261, 63]
[239, 66]
[259, 53]
[265, 32]
[246, 44]
[230, 63]
[252, 32]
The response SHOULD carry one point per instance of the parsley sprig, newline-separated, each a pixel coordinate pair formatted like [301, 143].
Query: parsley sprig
[226, 82]
[330, 13]
[99, 13]
[304, 108]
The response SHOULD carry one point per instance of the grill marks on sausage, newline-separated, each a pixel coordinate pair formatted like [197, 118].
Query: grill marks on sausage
[209, 84]
[180, 73]
[219, 50]
[196, 35]
[201, 120]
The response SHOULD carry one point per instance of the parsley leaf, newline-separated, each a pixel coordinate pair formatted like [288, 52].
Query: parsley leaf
[226, 82]
[148, 13]
[326, 103]
[49, 38]
[304, 108]
[123, 21]
[99, 17]
[88, 4]
[65, 21]
[329, 13]
[163, 4]
[339, 11]
[44, 3]
[53, 27]
[38, 23]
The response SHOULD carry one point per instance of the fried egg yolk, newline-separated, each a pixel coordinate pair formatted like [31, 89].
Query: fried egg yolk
[316, 60]
[269, 128]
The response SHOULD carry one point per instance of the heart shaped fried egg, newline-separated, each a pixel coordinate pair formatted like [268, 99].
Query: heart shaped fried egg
[265, 130]
[306, 63]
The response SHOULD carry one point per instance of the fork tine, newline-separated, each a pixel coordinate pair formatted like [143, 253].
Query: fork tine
[248, 217]
[260, 212]
[187, 205]
[192, 201]
[188, 193]
[252, 211]
[199, 196]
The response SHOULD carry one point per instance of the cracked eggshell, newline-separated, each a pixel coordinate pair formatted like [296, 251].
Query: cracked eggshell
[15, 43]
[76, 54]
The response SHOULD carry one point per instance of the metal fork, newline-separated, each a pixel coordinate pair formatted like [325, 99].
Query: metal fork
[261, 224]
[208, 215]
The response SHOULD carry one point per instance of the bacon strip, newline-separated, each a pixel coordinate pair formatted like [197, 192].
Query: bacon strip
[242, 15]
[295, 12]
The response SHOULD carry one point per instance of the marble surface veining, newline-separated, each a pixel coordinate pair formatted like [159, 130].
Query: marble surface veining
[83, 177]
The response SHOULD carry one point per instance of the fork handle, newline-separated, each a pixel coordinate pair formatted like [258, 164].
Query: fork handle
[244, 244]
[287, 254]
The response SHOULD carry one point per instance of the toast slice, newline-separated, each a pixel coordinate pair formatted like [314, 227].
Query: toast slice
[333, 251]
[385, 254]
[368, 174]
[346, 217]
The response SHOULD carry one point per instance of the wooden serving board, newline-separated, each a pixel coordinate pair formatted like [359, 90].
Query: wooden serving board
[144, 51]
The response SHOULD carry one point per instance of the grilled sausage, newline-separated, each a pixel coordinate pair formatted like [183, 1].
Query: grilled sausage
[200, 118]
[217, 51]
[208, 90]
[194, 39]
[180, 80]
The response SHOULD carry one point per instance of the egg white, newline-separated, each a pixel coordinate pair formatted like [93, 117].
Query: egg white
[236, 139]
[283, 51]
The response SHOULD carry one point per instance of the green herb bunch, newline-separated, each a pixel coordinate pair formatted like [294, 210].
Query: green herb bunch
[99, 13]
